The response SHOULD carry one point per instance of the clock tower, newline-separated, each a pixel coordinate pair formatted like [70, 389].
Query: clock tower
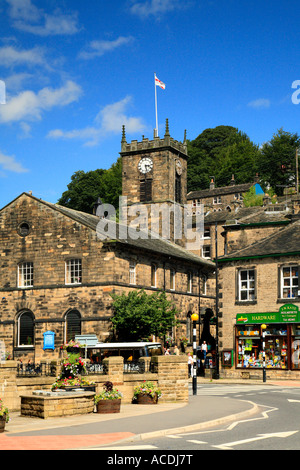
[154, 174]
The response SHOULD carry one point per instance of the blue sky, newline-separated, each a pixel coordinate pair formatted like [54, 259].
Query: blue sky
[75, 71]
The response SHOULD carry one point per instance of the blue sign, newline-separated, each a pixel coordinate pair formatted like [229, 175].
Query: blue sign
[49, 340]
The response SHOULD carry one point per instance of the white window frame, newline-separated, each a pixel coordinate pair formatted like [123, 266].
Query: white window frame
[204, 255]
[172, 279]
[291, 284]
[247, 286]
[75, 265]
[132, 273]
[206, 230]
[217, 200]
[153, 275]
[25, 275]
[189, 282]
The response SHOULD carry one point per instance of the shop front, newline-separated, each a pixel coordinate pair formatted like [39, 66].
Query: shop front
[282, 339]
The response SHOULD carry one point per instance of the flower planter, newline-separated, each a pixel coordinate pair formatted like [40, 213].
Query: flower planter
[2, 422]
[109, 406]
[147, 399]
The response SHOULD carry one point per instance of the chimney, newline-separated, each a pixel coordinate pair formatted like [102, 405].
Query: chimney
[97, 204]
[212, 183]
[232, 182]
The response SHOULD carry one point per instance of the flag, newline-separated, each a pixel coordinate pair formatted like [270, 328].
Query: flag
[159, 83]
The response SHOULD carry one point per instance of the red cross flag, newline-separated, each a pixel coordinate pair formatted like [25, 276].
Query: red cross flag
[159, 83]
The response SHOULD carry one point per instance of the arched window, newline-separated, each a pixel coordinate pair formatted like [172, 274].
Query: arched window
[73, 325]
[26, 329]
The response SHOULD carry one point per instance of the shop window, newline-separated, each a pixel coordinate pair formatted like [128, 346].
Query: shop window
[246, 285]
[73, 325]
[249, 346]
[73, 271]
[289, 282]
[295, 346]
[26, 329]
[25, 275]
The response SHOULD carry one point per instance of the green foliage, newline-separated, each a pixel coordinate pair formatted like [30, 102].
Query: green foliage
[251, 199]
[221, 152]
[146, 388]
[108, 393]
[85, 188]
[277, 162]
[138, 315]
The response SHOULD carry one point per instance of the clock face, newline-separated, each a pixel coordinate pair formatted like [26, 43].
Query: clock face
[178, 167]
[145, 165]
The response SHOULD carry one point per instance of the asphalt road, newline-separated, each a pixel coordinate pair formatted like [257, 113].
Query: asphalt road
[275, 427]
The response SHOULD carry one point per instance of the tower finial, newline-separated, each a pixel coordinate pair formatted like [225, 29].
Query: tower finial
[123, 134]
[184, 138]
[167, 133]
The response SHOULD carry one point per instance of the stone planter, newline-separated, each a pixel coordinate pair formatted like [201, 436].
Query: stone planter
[2, 423]
[109, 406]
[147, 399]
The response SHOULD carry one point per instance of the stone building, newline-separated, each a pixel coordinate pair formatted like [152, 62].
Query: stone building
[259, 285]
[58, 266]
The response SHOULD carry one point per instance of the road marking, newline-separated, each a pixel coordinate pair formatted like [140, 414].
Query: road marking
[259, 437]
[172, 436]
[295, 401]
[194, 441]
[141, 447]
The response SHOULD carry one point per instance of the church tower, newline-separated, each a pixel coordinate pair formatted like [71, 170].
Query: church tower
[154, 174]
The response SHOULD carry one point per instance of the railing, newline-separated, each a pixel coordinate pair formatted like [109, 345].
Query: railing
[37, 369]
[97, 368]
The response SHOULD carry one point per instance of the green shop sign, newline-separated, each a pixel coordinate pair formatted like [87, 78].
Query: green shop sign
[288, 313]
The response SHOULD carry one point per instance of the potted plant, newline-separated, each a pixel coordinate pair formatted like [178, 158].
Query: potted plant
[109, 400]
[146, 393]
[71, 384]
[4, 416]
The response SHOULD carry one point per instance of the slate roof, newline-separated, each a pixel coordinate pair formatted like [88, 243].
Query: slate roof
[158, 245]
[282, 242]
[247, 215]
[232, 189]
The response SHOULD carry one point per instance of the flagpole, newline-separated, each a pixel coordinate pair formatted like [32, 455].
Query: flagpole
[156, 130]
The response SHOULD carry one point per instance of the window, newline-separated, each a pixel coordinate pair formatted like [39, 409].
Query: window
[217, 200]
[73, 271]
[289, 282]
[206, 251]
[146, 190]
[132, 272]
[153, 275]
[26, 329]
[204, 284]
[246, 285]
[206, 232]
[73, 325]
[172, 279]
[178, 189]
[25, 275]
[189, 282]
[24, 229]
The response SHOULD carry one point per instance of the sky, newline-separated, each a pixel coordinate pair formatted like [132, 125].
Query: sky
[72, 73]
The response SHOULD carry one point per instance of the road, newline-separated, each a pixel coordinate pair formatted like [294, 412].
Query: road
[275, 427]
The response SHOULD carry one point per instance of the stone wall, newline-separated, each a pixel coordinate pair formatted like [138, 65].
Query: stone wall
[170, 374]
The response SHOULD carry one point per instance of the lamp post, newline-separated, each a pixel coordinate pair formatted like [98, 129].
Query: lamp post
[263, 327]
[194, 318]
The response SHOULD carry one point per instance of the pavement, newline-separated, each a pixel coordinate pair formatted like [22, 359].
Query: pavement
[133, 423]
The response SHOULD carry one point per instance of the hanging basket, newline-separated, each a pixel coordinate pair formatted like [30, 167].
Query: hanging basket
[147, 399]
[109, 406]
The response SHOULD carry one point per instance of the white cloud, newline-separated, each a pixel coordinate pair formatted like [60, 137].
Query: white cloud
[154, 7]
[98, 48]
[28, 105]
[260, 103]
[108, 121]
[9, 163]
[27, 17]
[11, 56]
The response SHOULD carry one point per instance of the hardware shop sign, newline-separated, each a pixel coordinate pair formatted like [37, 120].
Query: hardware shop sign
[288, 313]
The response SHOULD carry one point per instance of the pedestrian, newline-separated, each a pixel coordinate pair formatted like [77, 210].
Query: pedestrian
[167, 352]
[176, 350]
[204, 349]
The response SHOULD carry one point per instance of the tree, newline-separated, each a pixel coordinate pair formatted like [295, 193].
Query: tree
[250, 198]
[277, 161]
[138, 315]
[85, 188]
[221, 152]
